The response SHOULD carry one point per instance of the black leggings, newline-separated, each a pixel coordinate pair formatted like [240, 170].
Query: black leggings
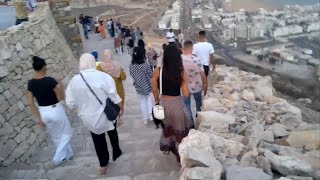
[101, 146]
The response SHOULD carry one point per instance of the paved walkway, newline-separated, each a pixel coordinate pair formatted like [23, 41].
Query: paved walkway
[142, 159]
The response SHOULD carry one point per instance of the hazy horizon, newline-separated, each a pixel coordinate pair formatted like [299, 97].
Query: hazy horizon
[289, 2]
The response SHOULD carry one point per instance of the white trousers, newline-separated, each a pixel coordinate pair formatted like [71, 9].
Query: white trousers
[146, 106]
[59, 130]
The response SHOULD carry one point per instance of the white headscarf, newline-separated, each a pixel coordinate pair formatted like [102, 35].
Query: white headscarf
[87, 61]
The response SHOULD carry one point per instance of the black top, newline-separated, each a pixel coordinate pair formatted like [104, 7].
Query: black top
[43, 90]
[169, 88]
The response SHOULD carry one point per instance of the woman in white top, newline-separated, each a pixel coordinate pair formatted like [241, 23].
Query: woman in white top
[79, 97]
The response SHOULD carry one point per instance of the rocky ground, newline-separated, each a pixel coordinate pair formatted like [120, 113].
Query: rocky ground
[245, 132]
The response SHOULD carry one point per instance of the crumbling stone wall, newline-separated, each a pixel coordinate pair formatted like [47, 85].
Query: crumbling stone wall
[20, 134]
[61, 11]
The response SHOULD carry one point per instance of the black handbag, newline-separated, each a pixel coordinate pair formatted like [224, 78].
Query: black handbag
[112, 110]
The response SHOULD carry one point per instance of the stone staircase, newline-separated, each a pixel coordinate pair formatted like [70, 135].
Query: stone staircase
[142, 159]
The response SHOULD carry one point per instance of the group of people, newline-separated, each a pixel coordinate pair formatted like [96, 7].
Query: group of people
[124, 36]
[182, 74]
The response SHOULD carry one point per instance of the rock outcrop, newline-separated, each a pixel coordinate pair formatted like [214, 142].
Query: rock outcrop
[252, 133]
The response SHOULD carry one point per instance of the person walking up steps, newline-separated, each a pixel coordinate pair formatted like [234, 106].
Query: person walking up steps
[141, 73]
[204, 51]
[50, 113]
[80, 97]
[197, 80]
[177, 119]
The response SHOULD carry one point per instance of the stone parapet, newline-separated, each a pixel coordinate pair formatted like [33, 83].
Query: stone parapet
[61, 11]
[20, 134]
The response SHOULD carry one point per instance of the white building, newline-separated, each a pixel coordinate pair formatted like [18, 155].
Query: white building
[164, 22]
[206, 22]
[313, 27]
[286, 30]
[242, 31]
[196, 13]
[175, 21]
[255, 32]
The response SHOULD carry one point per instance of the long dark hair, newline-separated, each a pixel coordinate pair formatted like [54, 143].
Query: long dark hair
[138, 55]
[172, 65]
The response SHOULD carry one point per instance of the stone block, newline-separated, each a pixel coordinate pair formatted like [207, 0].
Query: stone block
[246, 173]
[32, 138]
[26, 132]
[2, 120]
[3, 71]
[7, 94]
[6, 129]
[13, 134]
[288, 165]
[19, 138]
[305, 138]
[19, 150]
[7, 148]
[5, 52]
[204, 173]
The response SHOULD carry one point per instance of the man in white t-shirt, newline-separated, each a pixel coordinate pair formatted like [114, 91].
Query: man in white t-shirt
[171, 37]
[204, 51]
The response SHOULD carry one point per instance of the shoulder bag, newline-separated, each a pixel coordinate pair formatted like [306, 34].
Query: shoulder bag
[112, 110]
[158, 110]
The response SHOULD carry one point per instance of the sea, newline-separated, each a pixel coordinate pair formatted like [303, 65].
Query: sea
[288, 2]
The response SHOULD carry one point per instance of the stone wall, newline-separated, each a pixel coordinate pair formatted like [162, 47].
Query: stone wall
[95, 3]
[245, 132]
[61, 11]
[20, 134]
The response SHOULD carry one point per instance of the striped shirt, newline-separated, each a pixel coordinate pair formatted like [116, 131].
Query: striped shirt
[141, 74]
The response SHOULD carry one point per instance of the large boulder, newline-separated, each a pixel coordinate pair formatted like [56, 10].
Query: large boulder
[287, 165]
[263, 88]
[248, 95]
[256, 130]
[202, 173]
[307, 139]
[212, 104]
[214, 121]
[278, 130]
[246, 173]
[194, 157]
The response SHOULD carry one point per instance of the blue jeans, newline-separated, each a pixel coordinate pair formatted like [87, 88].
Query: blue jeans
[85, 31]
[187, 101]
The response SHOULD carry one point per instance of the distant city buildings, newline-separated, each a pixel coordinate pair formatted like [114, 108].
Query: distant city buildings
[171, 18]
[291, 20]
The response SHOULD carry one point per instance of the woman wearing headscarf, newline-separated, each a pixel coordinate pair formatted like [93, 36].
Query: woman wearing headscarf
[80, 97]
[177, 121]
[115, 71]
[50, 113]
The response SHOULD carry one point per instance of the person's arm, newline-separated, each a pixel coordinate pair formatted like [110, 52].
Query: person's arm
[184, 85]
[34, 109]
[155, 88]
[111, 90]
[212, 56]
[123, 75]
[58, 90]
[70, 100]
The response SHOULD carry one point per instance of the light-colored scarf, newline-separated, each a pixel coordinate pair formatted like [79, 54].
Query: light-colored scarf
[87, 61]
[110, 67]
